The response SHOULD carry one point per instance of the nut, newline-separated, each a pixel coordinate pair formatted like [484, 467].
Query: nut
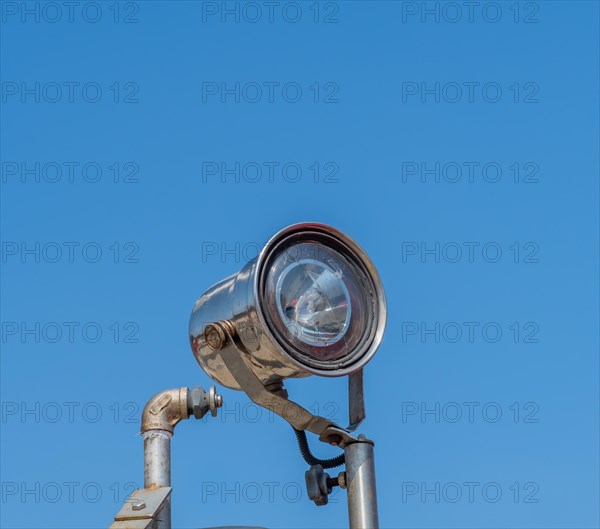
[197, 402]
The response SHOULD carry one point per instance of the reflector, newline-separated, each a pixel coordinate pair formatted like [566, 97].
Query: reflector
[313, 302]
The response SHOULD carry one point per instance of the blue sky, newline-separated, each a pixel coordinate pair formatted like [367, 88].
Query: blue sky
[149, 149]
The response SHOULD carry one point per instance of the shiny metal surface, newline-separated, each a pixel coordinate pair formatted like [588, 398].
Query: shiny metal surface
[237, 299]
[360, 482]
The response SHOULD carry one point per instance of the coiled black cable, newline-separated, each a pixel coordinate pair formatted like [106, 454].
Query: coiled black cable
[312, 460]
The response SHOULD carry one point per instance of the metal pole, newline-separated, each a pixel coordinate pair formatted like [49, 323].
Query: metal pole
[157, 459]
[360, 481]
[157, 470]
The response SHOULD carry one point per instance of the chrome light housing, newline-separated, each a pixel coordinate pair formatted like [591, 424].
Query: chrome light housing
[311, 303]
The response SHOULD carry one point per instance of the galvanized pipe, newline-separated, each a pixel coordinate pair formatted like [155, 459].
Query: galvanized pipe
[160, 416]
[360, 482]
[157, 459]
[157, 470]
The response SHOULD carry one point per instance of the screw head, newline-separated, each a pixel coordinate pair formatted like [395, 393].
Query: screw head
[138, 506]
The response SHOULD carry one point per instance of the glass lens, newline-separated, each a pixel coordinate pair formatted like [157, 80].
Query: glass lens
[316, 302]
[313, 302]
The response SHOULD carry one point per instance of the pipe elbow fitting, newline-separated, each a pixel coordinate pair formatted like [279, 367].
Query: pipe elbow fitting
[165, 410]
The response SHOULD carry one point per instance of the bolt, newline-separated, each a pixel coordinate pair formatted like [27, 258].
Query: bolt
[214, 336]
[335, 440]
[138, 506]
[214, 401]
